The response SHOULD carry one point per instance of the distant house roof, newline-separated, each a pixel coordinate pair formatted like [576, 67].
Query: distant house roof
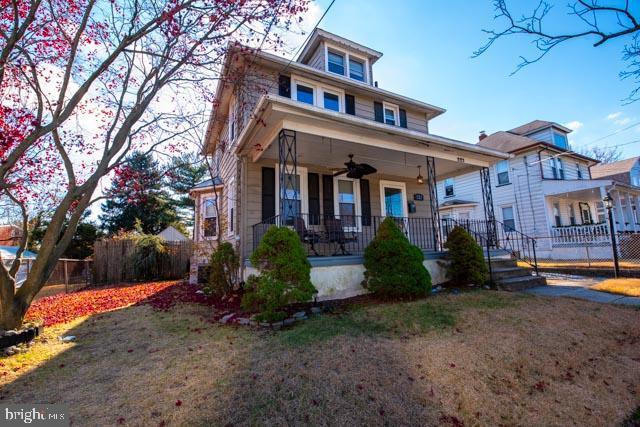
[536, 125]
[456, 202]
[9, 252]
[172, 234]
[208, 183]
[609, 169]
[511, 143]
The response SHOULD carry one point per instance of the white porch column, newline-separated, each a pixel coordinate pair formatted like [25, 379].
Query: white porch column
[632, 223]
[619, 217]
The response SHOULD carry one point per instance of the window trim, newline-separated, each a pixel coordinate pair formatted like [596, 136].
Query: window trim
[364, 69]
[318, 92]
[396, 113]
[347, 55]
[506, 161]
[232, 132]
[402, 186]
[205, 198]
[304, 191]
[345, 67]
[231, 195]
[453, 187]
[357, 201]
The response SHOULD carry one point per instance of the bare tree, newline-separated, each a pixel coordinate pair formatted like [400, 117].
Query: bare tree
[597, 20]
[603, 154]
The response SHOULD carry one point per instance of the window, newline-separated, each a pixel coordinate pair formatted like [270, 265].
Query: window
[556, 214]
[502, 169]
[232, 121]
[390, 114]
[331, 101]
[557, 168]
[230, 207]
[356, 69]
[585, 213]
[448, 187]
[579, 169]
[560, 140]
[600, 211]
[635, 177]
[336, 62]
[508, 219]
[347, 202]
[292, 196]
[210, 218]
[304, 94]
[572, 214]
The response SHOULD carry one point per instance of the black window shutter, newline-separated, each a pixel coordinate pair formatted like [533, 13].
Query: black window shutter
[350, 104]
[313, 183]
[403, 118]
[268, 193]
[327, 196]
[377, 112]
[284, 86]
[365, 202]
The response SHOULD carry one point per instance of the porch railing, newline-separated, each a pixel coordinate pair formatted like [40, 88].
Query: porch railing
[347, 234]
[580, 234]
[519, 245]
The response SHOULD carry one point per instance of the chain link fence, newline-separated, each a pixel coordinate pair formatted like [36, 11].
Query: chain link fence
[68, 275]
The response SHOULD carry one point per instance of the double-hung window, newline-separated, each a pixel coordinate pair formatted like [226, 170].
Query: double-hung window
[560, 140]
[502, 170]
[335, 62]
[508, 218]
[391, 114]
[305, 94]
[347, 202]
[331, 101]
[579, 170]
[210, 217]
[556, 214]
[448, 187]
[557, 168]
[230, 207]
[356, 69]
[572, 214]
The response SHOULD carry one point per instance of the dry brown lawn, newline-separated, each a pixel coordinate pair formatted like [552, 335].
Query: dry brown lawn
[482, 358]
[629, 287]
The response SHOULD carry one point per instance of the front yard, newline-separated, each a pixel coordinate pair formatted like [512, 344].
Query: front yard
[479, 358]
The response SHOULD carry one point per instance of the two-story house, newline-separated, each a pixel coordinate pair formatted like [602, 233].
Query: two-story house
[316, 145]
[545, 191]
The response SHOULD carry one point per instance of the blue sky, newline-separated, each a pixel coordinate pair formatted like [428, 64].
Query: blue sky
[427, 47]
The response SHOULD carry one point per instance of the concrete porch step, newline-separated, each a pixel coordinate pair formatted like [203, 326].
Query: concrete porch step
[510, 272]
[521, 283]
[497, 263]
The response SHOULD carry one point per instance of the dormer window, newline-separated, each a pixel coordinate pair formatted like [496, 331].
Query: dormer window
[356, 69]
[391, 114]
[335, 62]
[560, 140]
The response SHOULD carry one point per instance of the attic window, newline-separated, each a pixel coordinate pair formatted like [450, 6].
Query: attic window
[336, 63]
[356, 69]
[560, 140]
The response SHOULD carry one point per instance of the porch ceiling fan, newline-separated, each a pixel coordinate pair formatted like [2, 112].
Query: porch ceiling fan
[356, 170]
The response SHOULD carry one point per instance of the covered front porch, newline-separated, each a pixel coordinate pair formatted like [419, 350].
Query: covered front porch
[577, 214]
[295, 167]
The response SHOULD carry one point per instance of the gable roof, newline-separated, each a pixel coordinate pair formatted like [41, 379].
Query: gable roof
[536, 125]
[319, 35]
[208, 183]
[608, 169]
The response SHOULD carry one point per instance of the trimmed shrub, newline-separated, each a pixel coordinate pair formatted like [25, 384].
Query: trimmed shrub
[393, 265]
[149, 255]
[285, 274]
[223, 270]
[465, 259]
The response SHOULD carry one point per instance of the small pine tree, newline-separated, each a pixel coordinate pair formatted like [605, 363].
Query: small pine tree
[223, 269]
[393, 265]
[285, 274]
[465, 259]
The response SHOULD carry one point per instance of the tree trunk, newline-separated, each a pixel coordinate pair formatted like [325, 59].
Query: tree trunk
[12, 310]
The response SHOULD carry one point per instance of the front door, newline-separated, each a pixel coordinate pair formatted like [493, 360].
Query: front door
[393, 196]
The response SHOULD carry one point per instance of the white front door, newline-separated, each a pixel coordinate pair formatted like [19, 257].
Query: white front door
[393, 197]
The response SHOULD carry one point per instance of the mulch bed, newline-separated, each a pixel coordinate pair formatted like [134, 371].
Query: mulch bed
[64, 308]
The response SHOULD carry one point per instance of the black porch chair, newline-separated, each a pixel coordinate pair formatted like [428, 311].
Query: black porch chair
[335, 234]
[307, 237]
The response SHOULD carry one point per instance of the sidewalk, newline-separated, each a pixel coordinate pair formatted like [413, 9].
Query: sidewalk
[579, 287]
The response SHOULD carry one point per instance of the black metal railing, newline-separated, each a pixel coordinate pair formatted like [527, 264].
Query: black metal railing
[521, 246]
[346, 234]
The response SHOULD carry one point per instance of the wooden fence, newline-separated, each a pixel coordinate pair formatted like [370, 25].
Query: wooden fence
[113, 262]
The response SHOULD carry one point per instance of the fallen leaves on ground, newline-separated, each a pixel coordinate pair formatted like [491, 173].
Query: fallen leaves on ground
[64, 308]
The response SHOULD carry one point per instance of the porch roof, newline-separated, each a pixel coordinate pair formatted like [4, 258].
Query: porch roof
[559, 187]
[274, 113]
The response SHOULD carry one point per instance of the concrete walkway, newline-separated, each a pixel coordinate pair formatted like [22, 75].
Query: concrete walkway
[579, 287]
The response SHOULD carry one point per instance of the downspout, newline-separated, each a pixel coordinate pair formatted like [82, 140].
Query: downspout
[243, 215]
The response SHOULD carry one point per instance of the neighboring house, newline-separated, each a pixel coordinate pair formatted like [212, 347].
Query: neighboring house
[280, 138]
[625, 171]
[545, 191]
[8, 254]
[171, 234]
[10, 235]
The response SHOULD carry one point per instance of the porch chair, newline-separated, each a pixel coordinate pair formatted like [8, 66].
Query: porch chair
[306, 236]
[335, 234]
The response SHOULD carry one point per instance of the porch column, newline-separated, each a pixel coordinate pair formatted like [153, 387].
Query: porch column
[619, 213]
[433, 202]
[632, 223]
[287, 165]
[487, 197]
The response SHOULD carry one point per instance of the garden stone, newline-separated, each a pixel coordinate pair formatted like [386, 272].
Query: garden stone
[487, 287]
[243, 321]
[276, 325]
[226, 318]
[10, 351]
[289, 321]
[68, 338]
[300, 314]
[265, 324]
[316, 310]
[300, 319]
[200, 292]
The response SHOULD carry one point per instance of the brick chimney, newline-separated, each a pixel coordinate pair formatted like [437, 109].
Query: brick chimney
[482, 136]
